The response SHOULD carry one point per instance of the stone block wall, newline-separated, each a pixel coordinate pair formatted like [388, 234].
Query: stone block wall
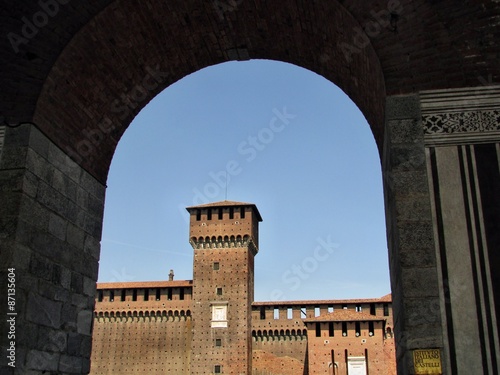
[50, 227]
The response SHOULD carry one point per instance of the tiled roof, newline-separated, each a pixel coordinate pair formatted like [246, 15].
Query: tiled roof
[344, 315]
[146, 284]
[386, 298]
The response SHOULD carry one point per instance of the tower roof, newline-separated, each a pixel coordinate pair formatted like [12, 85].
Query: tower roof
[226, 203]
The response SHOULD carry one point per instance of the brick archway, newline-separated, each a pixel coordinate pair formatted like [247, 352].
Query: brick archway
[417, 70]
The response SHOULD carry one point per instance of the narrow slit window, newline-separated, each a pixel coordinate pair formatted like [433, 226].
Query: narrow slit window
[100, 295]
[242, 212]
[169, 294]
[231, 213]
[303, 313]
[220, 213]
[316, 311]
[330, 329]
[209, 214]
[111, 295]
[124, 293]
[344, 328]
[181, 294]
[372, 309]
[146, 294]
[318, 329]
[357, 327]
[158, 294]
[134, 295]
[262, 313]
[198, 215]
[289, 313]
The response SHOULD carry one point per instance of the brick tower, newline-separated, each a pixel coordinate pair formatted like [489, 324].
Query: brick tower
[224, 236]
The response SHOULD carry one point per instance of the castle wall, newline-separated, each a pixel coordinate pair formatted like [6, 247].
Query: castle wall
[141, 344]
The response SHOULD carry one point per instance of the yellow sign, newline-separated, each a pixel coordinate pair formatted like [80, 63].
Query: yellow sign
[427, 361]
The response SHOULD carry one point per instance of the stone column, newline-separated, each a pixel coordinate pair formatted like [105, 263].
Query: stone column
[50, 226]
[415, 280]
[462, 141]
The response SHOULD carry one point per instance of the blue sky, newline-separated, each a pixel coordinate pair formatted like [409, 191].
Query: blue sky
[291, 142]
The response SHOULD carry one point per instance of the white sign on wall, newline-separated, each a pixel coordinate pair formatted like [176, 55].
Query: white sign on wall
[356, 365]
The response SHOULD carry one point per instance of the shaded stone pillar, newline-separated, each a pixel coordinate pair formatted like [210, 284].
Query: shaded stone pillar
[415, 280]
[462, 141]
[50, 226]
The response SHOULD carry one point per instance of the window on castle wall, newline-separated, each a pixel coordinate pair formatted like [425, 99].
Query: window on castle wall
[216, 266]
[181, 294]
[220, 213]
[231, 213]
[358, 308]
[158, 294]
[134, 295]
[386, 309]
[146, 294]
[344, 306]
[289, 313]
[357, 328]
[209, 214]
[316, 311]
[372, 309]
[100, 296]
[330, 309]
[371, 329]
[219, 291]
[198, 215]
[276, 313]
[262, 313]
[303, 313]
[111, 295]
[242, 212]
[344, 328]
[330, 329]
[169, 294]
[318, 329]
[218, 342]
[124, 294]
[218, 369]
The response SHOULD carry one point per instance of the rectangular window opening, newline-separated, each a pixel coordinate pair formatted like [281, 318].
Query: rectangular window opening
[371, 330]
[317, 311]
[198, 215]
[303, 313]
[386, 309]
[219, 291]
[216, 266]
[357, 328]
[218, 369]
[289, 313]
[169, 294]
[146, 294]
[100, 295]
[111, 295]
[231, 213]
[372, 309]
[344, 306]
[209, 214]
[276, 313]
[218, 342]
[220, 214]
[134, 295]
[358, 308]
[242, 212]
[124, 293]
[158, 294]
[330, 309]
[330, 329]
[262, 313]
[344, 329]
[318, 329]
[181, 294]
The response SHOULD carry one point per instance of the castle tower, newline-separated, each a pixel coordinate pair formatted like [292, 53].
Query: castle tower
[224, 236]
